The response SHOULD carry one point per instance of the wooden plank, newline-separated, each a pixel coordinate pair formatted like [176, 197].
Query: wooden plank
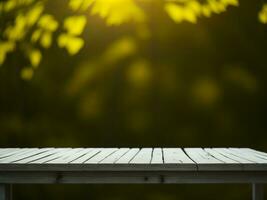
[246, 163]
[207, 162]
[221, 157]
[21, 154]
[25, 155]
[68, 156]
[248, 156]
[87, 156]
[157, 156]
[14, 151]
[74, 156]
[229, 164]
[261, 155]
[3, 149]
[255, 151]
[175, 156]
[52, 157]
[69, 153]
[144, 156]
[201, 157]
[39, 156]
[126, 158]
[114, 157]
[7, 150]
[230, 155]
[105, 152]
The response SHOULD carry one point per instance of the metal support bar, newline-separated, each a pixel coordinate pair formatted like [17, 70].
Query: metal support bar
[257, 191]
[5, 192]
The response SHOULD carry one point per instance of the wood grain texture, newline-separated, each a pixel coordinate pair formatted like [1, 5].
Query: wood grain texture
[144, 156]
[132, 159]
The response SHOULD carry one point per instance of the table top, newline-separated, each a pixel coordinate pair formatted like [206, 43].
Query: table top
[132, 159]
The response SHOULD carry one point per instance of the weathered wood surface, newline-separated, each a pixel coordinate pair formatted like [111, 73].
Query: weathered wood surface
[132, 159]
[132, 165]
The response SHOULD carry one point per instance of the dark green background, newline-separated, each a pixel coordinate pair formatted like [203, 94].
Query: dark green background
[226, 53]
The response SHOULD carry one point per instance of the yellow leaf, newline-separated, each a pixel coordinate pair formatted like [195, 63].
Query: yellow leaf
[175, 12]
[75, 4]
[118, 11]
[17, 31]
[71, 43]
[26, 73]
[75, 24]
[180, 13]
[195, 6]
[36, 35]
[263, 14]
[86, 4]
[218, 6]
[206, 11]
[5, 47]
[35, 57]
[11, 4]
[34, 13]
[190, 15]
[74, 45]
[48, 22]
[62, 40]
[46, 40]
[263, 18]
[80, 4]
[230, 2]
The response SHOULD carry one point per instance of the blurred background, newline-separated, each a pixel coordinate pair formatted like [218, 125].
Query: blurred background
[133, 73]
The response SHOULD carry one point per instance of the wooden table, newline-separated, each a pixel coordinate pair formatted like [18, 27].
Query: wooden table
[132, 165]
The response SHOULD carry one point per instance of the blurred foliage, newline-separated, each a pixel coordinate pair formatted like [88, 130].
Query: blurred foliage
[192, 9]
[29, 28]
[145, 73]
[263, 14]
[29, 18]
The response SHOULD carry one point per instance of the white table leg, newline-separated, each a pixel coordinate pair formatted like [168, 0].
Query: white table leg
[5, 192]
